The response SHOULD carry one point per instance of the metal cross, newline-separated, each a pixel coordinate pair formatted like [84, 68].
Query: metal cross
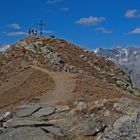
[41, 24]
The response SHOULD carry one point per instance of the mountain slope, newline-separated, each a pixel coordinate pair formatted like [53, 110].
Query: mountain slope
[58, 91]
[128, 58]
[55, 55]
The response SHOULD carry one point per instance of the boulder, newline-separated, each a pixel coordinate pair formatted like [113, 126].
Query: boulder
[125, 128]
[91, 127]
[7, 116]
[81, 106]
[2, 130]
[127, 106]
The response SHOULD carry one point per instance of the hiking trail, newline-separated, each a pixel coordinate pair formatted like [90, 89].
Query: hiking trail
[64, 85]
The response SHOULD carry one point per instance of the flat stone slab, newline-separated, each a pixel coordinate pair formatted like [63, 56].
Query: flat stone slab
[20, 122]
[25, 133]
[54, 130]
[45, 111]
[27, 111]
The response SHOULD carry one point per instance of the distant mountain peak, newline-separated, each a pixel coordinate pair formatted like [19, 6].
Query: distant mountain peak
[128, 57]
[4, 47]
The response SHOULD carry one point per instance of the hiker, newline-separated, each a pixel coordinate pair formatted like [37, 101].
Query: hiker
[32, 31]
[35, 32]
[29, 32]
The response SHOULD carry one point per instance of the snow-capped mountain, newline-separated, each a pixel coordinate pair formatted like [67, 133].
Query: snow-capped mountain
[129, 58]
[129, 54]
[4, 47]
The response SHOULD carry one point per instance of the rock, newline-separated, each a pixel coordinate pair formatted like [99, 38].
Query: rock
[20, 122]
[7, 116]
[54, 130]
[83, 57]
[63, 125]
[24, 44]
[25, 133]
[86, 51]
[81, 106]
[2, 130]
[125, 128]
[45, 111]
[136, 92]
[107, 112]
[27, 111]
[56, 58]
[91, 127]
[56, 116]
[126, 106]
[62, 108]
[67, 68]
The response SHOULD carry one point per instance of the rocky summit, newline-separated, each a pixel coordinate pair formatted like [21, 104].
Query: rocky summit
[51, 89]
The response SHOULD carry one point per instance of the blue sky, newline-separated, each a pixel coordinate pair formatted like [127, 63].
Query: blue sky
[88, 23]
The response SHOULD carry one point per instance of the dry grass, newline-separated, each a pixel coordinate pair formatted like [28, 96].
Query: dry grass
[91, 89]
[35, 85]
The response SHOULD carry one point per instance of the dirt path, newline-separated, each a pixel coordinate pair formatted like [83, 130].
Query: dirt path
[64, 85]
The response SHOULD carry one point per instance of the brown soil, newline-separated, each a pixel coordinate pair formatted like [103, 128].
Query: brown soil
[24, 87]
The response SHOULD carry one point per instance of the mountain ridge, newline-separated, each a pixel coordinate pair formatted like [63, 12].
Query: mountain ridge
[52, 87]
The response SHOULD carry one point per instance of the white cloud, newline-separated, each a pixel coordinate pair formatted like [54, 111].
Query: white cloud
[90, 20]
[53, 1]
[133, 13]
[48, 31]
[135, 31]
[103, 30]
[16, 33]
[65, 9]
[14, 26]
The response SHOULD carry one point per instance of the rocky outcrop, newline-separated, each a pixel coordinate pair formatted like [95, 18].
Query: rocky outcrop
[51, 57]
[106, 120]
[36, 122]
[126, 127]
